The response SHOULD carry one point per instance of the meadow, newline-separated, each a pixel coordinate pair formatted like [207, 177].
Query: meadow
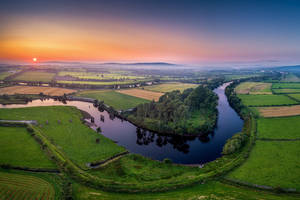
[99, 82]
[99, 76]
[138, 169]
[169, 87]
[209, 190]
[35, 76]
[266, 100]
[286, 86]
[278, 111]
[112, 98]
[279, 128]
[52, 91]
[295, 96]
[144, 94]
[19, 149]
[286, 91]
[3, 75]
[253, 88]
[20, 186]
[67, 132]
[290, 78]
[271, 163]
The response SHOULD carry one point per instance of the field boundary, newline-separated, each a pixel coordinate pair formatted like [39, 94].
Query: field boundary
[279, 139]
[260, 187]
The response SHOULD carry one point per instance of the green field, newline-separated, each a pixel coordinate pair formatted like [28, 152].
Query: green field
[75, 139]
[99, 76]
[35, 76]
[231, 77]
[266, 100]
[290, 78]
[286, 91]
[99, 82]
[115, 99]
[168, 87]
[3, 75]
[209, 191]
[271, 163]
[19, 149]
[279, 128]
[295, 96]
[286, 86]
[253, 88]
[137, 169]
[21, 186]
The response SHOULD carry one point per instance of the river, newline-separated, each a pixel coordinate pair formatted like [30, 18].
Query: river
[195, 150]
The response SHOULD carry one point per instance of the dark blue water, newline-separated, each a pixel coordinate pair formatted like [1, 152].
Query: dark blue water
[179, 149]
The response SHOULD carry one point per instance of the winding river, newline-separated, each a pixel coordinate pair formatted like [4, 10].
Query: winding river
[191, 150]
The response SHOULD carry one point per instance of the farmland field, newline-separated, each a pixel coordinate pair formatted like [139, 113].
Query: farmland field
[3, 75]
[286, 91]
[20, 149]
[115, 99]
[290, 78]
[99, 76]
[144, 94]
[273, 164]
[209, 190]
[35, 76]
[20, 186]
[279, 111]
[68, 136]
[35, 90]
[254, 88]
[168, 87]
[286, 85]
[99, 82]
[279, 128]
[295, 96]
[266, 100]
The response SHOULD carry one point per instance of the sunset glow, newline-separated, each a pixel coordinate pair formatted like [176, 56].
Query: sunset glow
[102, 31]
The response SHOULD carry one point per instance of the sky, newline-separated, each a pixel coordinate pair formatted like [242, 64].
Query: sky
[174, 31]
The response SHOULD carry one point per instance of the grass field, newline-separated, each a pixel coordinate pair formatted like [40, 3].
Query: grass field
[295, 96]
[273, 164]
[99, 76]
[75, 139]
[19, 187]
[112, 98]
[290, 78]
[19, 149]
[168, 87]
[253, 88]
[279, 128]
[35, 76]
[286, 91]
[209, 191]
[137, 169]
[266, 100]
[286, 86]
[3, 75]
[52, 91]
[144, 94]
[279, 111]
[99, 82]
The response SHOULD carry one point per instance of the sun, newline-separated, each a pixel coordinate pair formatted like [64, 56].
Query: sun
[34, 59]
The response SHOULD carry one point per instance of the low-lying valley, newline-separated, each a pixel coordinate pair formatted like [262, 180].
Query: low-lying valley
[87, 133]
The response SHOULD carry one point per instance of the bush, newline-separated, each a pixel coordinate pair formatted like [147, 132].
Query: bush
[167, 161]
[235, 143]
[29, 129]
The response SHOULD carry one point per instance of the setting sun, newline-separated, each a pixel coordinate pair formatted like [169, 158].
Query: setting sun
[34, 59]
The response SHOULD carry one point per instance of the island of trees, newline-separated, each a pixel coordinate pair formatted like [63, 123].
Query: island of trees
[191, 112]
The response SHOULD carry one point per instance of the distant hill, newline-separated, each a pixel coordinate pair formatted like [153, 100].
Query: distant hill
[294, 68]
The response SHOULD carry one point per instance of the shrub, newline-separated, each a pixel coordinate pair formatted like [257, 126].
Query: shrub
[167, 161]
